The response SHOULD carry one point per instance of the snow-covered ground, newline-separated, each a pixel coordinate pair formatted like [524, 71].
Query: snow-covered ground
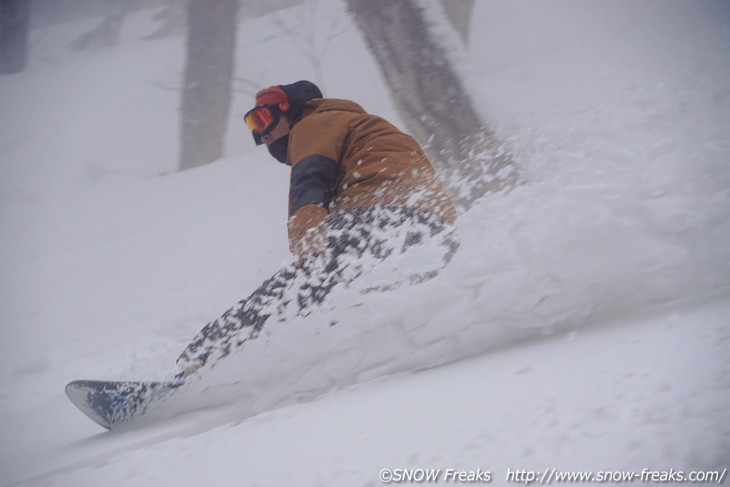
[584, 324]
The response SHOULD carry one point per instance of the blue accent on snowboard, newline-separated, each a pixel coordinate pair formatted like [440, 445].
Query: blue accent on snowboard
[116, 403]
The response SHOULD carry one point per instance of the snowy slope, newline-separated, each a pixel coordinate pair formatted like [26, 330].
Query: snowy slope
[599, 289]
[564, 402]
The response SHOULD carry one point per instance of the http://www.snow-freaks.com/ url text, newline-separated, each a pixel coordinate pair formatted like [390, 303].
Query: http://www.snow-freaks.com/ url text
[548, 476]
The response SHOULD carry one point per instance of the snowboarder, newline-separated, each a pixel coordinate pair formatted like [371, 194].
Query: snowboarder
[361, 191]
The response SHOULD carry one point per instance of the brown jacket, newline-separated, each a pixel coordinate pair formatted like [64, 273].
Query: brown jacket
[342, 157]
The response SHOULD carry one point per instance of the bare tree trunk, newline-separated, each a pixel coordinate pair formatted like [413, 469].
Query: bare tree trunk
[105, 34]
[207, 87]
[171, 19]
[459, 14]
[14, 24]
[430, 97]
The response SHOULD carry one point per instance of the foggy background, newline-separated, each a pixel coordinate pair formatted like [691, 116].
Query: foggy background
[582, 325]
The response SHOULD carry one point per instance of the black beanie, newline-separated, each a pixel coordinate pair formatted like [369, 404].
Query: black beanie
[299, 93]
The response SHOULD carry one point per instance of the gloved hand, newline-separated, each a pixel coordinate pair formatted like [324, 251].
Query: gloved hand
[312, 243]
[307, 232]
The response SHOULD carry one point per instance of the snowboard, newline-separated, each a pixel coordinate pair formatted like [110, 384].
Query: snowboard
[114, 404]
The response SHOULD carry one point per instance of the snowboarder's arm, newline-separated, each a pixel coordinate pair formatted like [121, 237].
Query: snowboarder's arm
[313, 185]
[315, 151]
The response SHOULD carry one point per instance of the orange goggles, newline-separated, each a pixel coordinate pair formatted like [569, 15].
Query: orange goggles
[261, 120]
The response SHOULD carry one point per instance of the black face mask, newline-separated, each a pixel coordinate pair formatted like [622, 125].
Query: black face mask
[278, 148]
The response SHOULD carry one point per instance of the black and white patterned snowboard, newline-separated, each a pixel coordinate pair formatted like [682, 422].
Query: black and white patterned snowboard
[113, 404]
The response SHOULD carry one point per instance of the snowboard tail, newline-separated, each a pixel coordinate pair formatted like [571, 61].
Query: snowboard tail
[112, 404]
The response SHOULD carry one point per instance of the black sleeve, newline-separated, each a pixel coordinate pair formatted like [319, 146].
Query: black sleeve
[313, 182]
